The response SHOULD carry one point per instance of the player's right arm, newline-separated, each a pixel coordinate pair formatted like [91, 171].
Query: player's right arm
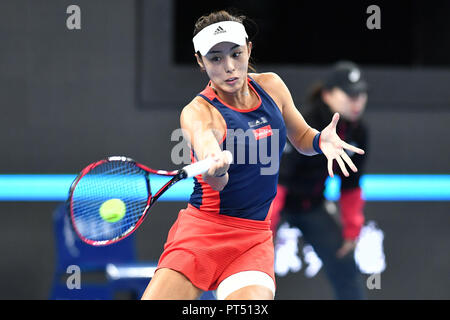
[203, 132]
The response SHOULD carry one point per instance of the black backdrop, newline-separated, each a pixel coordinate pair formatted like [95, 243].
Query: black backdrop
[413, 33]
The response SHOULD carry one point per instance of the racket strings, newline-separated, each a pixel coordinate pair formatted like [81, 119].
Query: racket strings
[109, 180]
[96, 225]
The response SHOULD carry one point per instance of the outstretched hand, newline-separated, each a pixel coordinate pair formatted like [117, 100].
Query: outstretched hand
[333, 148]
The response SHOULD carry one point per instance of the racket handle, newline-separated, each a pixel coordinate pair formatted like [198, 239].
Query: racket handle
[202, 166]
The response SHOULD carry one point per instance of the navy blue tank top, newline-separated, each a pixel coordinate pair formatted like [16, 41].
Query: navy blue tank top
[256, 138]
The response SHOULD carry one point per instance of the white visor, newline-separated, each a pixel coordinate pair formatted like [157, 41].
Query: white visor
[224, 31]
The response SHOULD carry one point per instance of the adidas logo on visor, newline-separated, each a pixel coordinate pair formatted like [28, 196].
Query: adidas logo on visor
[219, 30]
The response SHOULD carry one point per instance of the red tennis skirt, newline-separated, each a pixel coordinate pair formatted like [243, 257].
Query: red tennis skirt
[207, 248]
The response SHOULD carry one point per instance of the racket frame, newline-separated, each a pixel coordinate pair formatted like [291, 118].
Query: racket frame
[176, 174]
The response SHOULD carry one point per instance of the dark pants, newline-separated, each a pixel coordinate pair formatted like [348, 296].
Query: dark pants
[322, 231]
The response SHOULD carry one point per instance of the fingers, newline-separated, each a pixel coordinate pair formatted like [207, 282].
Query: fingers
[349, 161]
[214, 166]
[342, 166]
[220, 164]
[330, 168]
[340, 160]
[347, 146]
[335, 120]
[334, 149]
[216, 170]
[228, 156]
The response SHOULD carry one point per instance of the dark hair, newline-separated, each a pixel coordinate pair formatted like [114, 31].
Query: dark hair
[314, 93]
[218, 16]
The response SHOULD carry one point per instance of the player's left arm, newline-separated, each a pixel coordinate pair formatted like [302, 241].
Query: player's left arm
[299, 133]
[306, 139]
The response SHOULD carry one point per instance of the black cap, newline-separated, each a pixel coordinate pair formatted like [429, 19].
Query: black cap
[347, 76]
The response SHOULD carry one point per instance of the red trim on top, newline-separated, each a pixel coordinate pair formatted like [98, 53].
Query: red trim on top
[277, 206]
[210, 94]
[223, 137]
[269, 213]
[210, 198]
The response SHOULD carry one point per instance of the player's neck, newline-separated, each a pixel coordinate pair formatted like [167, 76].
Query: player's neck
[242, 99]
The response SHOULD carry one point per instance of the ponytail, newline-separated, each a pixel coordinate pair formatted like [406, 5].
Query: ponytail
[315, 93]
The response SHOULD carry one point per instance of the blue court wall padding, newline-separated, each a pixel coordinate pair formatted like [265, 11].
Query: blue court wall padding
[55, 187]
[35, 187]
[406, 187]
[379, 187]
[395, 187]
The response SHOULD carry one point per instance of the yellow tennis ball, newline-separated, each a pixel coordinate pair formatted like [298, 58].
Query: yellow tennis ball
[112, 210]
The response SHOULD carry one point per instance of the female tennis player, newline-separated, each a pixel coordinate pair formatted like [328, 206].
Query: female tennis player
[222, 241]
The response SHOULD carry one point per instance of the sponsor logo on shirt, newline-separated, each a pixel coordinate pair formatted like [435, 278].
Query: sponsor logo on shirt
[262, 132]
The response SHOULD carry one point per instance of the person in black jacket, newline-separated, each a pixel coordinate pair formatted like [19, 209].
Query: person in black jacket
[302, 181]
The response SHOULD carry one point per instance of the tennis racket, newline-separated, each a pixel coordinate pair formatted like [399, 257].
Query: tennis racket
[119, 187]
